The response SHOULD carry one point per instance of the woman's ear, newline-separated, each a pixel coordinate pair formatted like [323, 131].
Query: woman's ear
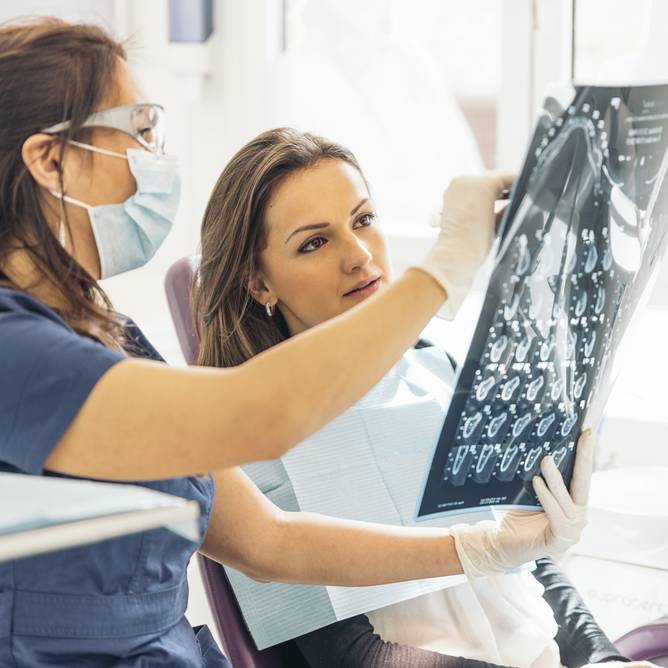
[260, 291]
[41, 156]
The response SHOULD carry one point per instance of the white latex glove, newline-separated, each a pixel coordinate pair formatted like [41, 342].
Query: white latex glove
[467, 233]
[489, 547]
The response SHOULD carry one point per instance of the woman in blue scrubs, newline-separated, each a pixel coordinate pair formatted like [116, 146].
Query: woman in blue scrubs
[86, 192]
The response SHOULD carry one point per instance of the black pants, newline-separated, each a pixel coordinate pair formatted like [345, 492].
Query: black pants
[352, 643]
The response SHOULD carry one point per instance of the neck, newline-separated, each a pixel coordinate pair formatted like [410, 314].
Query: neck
[22, 272]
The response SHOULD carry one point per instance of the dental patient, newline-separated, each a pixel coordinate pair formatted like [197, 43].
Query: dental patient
[298, 244]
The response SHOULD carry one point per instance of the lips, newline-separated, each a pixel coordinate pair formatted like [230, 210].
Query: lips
[362, 285]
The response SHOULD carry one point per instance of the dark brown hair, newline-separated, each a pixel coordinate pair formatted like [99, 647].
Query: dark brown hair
[232, 326]
[52, 71]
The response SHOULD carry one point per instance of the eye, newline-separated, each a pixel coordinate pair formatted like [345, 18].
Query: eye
[313, 244]
[365, 220]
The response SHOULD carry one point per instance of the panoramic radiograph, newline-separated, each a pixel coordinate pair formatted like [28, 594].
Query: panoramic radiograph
[579, 245]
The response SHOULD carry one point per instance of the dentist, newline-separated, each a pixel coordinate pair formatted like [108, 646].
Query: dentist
[87, 192]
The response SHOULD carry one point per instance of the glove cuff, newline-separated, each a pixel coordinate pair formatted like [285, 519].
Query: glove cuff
[475, 549]
[455, 293]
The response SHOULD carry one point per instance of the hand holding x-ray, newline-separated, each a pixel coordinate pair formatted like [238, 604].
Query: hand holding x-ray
[468, 225]
[489, 548]
[579, 248]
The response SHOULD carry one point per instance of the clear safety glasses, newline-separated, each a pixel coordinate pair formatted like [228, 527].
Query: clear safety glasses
[143, 122]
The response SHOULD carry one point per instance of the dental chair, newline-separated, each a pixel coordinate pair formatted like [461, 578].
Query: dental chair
[236, 639]
[645, 643]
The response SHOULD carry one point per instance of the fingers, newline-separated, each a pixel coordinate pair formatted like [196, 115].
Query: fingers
[584, 461]
[498, 217]
[503, 180]
[556, 485]
[551, 506]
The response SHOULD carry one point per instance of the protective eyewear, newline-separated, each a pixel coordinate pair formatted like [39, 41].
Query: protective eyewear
[145, 123]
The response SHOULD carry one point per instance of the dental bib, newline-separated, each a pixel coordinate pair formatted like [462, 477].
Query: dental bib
[368, 464]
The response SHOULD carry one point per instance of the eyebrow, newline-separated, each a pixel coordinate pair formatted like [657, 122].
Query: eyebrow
[320, 226]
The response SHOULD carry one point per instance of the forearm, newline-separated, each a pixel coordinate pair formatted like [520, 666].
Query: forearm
[353, 643]
[323, 371]
[149, 421]
[308, 548]
[581, 640]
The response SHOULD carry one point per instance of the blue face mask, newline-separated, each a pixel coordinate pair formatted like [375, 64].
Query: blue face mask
[128, 234]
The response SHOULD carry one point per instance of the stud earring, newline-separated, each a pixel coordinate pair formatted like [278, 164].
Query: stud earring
[269, 308]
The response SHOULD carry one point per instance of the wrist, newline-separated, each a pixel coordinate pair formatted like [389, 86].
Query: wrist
[428, 281]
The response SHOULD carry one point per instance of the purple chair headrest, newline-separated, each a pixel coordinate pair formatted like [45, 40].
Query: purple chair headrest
[178, 285]
[646, 643]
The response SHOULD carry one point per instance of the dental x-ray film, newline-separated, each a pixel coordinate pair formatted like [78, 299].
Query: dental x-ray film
[579, 246]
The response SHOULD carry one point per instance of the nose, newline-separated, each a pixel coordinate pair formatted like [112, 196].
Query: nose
[356, 254]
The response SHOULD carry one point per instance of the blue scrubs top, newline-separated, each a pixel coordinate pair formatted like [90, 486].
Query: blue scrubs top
[120, 602]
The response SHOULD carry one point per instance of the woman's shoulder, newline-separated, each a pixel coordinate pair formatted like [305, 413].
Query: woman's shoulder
[17, 302]
[26, 323]
[22, 315]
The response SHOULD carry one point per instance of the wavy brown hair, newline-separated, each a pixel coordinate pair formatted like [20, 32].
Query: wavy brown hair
[232, 326]
[52, 71]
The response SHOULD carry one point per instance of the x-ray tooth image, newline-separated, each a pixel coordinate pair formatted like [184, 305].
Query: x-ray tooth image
[510, 388]
[557, 389]
[497, 427]
[592, 259]
[523, 349]
[535, 386]
[531, 465]
[499, 349]
[546, 350]
[589, 345]
[459, 464]
[600, 299]
[545, 425]
[579, 386]
[581, 304]
[510, 310]
[559, 455]
[472, 428]
[509, 463]
[579, 244]
[486, 462]
[484, 388]
[521, 424]
[568, 424]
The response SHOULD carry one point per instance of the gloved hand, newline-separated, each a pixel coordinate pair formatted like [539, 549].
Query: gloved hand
[467, 233]
[489, 547]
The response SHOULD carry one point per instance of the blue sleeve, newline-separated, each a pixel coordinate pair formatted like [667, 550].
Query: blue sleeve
[47, 371]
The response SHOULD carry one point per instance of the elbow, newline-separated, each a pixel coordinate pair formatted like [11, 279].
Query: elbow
[256, 574]
[274, 434]
[268, 559]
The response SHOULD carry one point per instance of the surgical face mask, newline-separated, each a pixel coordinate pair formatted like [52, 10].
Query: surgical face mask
[128, 234]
